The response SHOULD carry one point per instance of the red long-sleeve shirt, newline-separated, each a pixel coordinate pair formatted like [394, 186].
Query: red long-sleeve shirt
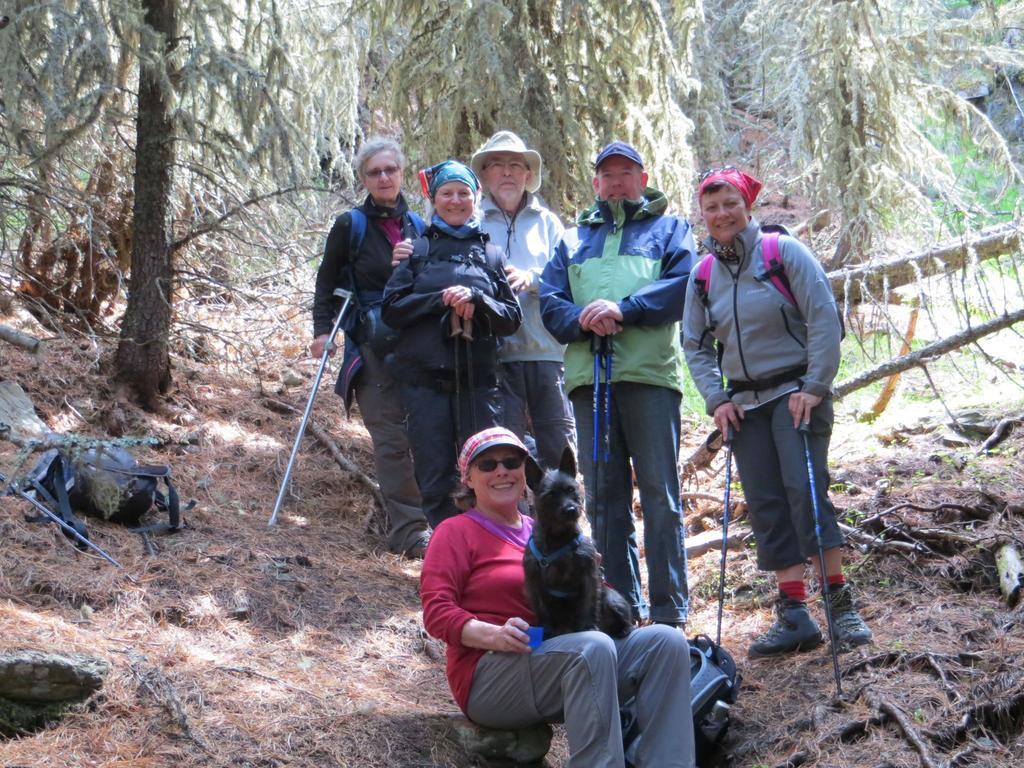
[469, 573]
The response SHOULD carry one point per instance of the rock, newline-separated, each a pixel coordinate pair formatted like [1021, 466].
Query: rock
[524, 747]
[17, 719]
[38, 677]
[955, 441]
[291, 379]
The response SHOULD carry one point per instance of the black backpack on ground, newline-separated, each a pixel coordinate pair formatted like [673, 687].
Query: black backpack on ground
[107, 483]
[714, 683]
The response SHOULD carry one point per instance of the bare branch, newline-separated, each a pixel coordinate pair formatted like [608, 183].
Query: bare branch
[935, 349]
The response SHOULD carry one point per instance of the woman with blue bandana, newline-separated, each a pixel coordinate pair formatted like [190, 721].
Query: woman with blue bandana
[449, 301]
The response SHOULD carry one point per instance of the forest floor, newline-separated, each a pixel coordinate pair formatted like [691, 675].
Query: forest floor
[302, 645]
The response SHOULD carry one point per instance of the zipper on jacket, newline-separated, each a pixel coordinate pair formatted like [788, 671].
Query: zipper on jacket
[785, 322]
[736, 320]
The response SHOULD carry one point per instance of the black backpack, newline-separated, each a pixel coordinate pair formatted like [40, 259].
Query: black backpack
[714, 683]
[107, 483]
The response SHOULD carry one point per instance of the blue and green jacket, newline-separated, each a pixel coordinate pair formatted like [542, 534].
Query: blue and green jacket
[633, 254]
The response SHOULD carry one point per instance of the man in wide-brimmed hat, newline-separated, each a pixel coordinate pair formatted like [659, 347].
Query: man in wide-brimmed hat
[515, 218]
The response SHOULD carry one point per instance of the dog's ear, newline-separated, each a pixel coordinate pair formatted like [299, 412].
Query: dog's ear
[568, 462]
[534, 474]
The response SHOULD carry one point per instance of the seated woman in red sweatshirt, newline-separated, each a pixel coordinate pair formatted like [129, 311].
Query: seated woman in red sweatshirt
[472, 588]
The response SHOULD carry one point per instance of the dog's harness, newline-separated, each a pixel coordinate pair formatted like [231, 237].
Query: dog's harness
[546, 560]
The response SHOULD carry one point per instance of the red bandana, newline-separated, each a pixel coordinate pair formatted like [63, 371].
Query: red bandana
[745, 183]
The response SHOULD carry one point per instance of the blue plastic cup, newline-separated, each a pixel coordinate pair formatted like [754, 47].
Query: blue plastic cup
[536, 636]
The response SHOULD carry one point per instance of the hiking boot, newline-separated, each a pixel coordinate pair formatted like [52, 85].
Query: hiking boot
[850, 628]
[793, 630]
[419, 549]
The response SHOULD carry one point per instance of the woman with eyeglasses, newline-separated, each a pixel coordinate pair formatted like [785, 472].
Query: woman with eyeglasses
[449, 300]
[359, 257]
[473, 594]
[760, 312]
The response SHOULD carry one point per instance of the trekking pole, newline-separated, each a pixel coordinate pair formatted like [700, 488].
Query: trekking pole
[456, 332]
[601, 347]
[11, 488]
[346, 297]
[805, 430]
[725, 531]
[606, 348]
[467, 337]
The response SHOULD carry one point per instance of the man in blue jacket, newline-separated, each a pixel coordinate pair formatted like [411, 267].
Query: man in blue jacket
[624, 278]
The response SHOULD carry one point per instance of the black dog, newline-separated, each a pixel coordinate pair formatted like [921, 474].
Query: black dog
[563, 572]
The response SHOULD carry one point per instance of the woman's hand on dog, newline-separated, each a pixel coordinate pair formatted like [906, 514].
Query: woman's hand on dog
[510, 637]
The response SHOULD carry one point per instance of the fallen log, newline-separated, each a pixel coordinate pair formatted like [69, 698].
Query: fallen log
[19, 339]
[925, 354]
[711, 541]
[1000, 433]
[18, 420]
[876, 278]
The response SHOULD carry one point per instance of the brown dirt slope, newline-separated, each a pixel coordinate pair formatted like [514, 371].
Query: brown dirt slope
[235, 645]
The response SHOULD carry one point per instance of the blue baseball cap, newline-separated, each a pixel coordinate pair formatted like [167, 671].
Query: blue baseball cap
[620, 148]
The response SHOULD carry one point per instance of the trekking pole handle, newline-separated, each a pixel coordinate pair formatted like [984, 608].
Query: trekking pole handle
[346, 297]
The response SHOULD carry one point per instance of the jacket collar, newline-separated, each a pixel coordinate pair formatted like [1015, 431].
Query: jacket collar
[745, 241]
[653, 203]
[490, 208]
[374, 211]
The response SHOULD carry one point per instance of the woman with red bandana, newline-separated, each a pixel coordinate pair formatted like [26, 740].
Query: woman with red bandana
[778, 334]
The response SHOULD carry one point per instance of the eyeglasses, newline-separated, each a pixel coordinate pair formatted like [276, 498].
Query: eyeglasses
[509, 165]
[713, 171]
[509, 462]
[390, 170]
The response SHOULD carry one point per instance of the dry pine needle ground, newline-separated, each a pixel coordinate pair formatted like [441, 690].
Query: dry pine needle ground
[302, 645]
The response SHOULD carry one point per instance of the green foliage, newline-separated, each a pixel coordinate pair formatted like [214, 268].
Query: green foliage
[848, 83]
[987, 196]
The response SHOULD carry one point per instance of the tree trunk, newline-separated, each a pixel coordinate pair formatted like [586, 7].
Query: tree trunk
[143, 360]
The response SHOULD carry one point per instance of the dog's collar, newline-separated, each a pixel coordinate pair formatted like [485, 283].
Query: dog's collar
[546, 560]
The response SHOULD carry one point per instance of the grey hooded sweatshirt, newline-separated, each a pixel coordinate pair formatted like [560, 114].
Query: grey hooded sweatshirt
[763, 335]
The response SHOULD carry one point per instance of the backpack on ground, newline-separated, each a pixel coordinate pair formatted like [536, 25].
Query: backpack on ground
[107, 483]
[774, 270]
[714, 684]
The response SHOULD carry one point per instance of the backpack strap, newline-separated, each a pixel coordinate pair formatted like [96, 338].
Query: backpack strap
[702, 278]
[416, 223]
[494, 257]
[57, 478]
[356, 230]
[774, 269]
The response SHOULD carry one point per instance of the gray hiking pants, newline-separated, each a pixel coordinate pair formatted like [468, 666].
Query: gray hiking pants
[381, 408]
[534, 400]
[770, 457]
[579, 679]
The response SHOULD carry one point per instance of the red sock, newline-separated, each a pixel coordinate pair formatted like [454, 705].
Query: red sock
[794, 590]
[836, 580]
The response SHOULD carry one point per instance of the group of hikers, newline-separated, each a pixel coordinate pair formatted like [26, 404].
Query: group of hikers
[480, 341]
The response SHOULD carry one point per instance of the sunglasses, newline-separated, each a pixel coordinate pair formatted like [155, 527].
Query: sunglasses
[376, 173]
[713, 171]
[509, 462]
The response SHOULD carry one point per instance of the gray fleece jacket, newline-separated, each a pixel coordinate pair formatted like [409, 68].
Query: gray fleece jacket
[763, 335]
[529, 239]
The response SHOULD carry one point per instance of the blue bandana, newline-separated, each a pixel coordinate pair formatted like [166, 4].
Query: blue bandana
[450, 170]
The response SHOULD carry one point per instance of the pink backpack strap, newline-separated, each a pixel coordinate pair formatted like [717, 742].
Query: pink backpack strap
[703, 277]
[773, 266]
